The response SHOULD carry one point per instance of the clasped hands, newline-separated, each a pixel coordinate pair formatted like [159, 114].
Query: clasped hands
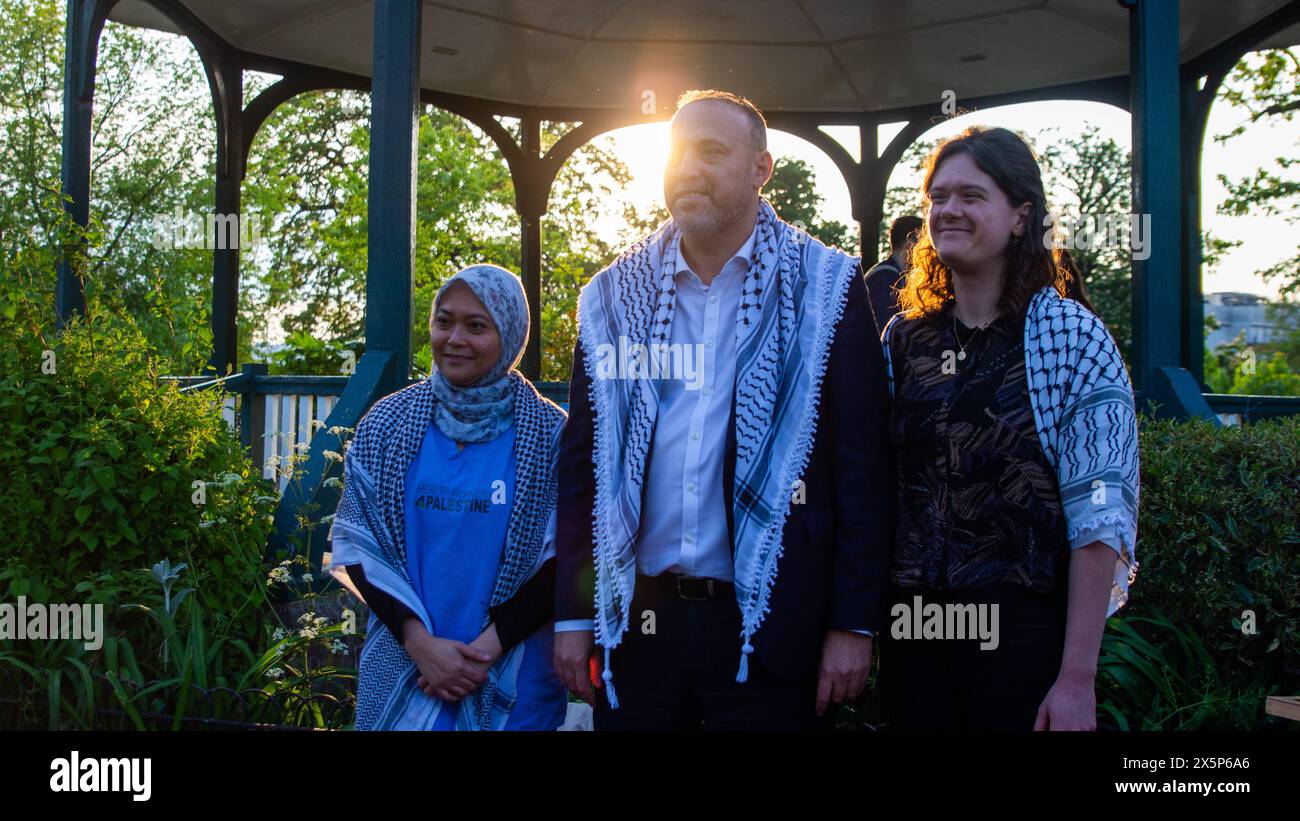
[449, 670]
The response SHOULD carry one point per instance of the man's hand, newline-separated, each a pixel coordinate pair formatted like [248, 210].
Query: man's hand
[448, 669]
[846, 660]
[572, 660]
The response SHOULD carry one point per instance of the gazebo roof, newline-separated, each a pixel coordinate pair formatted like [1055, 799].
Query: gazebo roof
[795, 55]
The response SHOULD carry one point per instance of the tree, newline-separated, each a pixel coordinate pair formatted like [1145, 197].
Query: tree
[1267, 85]
[901, 200]
[792, 190]
[1089, 181]
[152, 152]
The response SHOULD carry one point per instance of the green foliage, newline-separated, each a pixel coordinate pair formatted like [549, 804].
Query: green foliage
[116, 469]
[1218, 534]
[304, 353]
[1170, 681]
[1267, 85]
[298, 680]
[153, 135]
[1264, 369]
[792, 190]
[1089, 176]
[901, 200]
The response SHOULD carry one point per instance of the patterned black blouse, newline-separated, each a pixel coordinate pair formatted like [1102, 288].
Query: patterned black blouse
[978, 502]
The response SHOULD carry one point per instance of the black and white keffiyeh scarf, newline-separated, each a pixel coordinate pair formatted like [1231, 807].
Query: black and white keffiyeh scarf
[792, 299]
[370, 529]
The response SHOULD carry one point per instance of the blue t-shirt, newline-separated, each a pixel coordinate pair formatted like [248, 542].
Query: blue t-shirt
[458, 505]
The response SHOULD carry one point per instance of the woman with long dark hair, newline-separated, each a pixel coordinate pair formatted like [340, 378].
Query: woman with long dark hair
[1016, 439]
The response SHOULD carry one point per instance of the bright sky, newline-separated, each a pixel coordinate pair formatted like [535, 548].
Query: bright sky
[1266, 239]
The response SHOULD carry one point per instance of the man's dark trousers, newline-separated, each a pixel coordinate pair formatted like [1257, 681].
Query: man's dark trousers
[676, 670]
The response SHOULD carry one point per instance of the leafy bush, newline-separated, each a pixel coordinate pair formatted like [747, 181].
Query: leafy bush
[1219, 535]
[204, 680]
[111, 470]
[1170, 682]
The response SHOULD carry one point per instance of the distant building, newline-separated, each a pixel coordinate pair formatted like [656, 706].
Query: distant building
[1237, 312]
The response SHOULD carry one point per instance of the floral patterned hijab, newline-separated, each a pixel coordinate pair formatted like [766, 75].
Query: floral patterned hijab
[483, 411]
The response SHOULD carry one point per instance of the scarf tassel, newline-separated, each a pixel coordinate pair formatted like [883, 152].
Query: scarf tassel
[742, 675]
[608, 676]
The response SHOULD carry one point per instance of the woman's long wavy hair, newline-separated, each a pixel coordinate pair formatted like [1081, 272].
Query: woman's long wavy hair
[1032, 260]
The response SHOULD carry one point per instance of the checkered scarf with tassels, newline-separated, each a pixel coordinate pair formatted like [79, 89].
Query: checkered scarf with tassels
[791, 300]
[370, 529]
[1084, 413]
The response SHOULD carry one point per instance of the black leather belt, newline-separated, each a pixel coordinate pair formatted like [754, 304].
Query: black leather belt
[691, 588]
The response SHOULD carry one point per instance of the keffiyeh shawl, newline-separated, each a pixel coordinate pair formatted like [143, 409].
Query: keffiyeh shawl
[1084, 412]
[370, 529]
[791, 300]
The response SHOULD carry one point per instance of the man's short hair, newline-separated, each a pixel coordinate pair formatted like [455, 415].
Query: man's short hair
[757, 124]
[899, 230]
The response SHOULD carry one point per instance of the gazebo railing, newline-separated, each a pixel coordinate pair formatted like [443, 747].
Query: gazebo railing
[273, 414]
[1237, 409]
[283, 412]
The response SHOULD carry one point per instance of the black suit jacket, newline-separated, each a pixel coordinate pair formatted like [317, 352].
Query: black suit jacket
[833, 570]
[883, 282]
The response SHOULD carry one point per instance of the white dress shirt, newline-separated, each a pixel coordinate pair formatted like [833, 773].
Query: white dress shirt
[684, 511]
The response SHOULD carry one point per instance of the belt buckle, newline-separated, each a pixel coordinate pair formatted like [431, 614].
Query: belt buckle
[681, 594]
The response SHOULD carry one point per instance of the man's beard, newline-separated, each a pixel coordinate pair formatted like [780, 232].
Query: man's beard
[711, 221]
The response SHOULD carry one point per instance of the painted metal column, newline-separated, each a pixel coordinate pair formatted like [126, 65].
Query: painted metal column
[386, 364]
[1158, 292]
[1192, 135]
[394, 124]
[228, 103]
[81, 40]
[867, 193]
[530, 201]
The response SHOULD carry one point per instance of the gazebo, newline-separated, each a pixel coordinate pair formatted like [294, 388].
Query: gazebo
[606, 64]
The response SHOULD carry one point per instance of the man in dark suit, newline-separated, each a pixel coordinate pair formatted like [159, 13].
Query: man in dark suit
[888, 275]
[676, 662]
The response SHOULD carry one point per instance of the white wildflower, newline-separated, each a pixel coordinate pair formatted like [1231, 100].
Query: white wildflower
[278, 575]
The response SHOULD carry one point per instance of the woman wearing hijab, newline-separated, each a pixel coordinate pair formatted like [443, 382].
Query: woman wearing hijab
[446, 527]
[1016, 440]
